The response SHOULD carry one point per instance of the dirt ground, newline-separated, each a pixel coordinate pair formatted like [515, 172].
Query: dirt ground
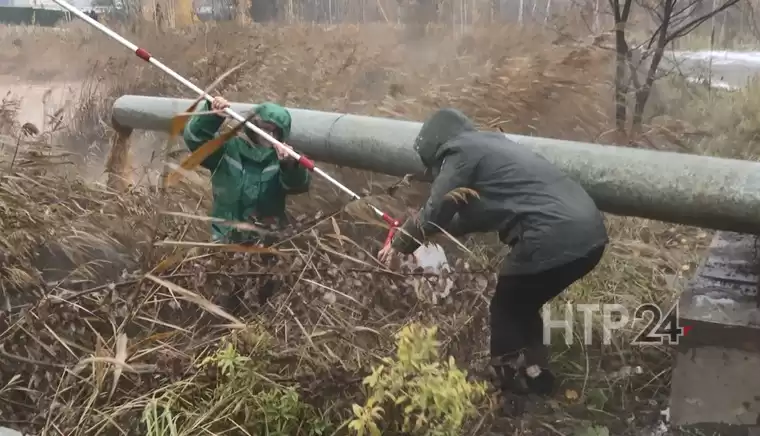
[520, 81]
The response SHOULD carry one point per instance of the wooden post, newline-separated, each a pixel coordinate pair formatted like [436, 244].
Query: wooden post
[183, 13]
[242, 15]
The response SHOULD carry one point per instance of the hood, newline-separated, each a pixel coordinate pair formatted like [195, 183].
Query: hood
[277, 115]
[443, 126]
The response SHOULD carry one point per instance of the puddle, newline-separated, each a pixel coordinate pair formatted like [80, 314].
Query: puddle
[38, 100]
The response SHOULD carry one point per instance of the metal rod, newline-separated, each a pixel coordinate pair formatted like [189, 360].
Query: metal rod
[690, 189]
[147, 57]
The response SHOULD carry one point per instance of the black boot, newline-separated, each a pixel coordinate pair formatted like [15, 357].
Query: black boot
[543, 382]
[512, 388]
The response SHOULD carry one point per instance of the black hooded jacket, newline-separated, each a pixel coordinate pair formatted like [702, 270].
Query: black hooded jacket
[545, 217]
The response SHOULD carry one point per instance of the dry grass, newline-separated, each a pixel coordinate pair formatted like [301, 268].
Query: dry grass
[89, 354]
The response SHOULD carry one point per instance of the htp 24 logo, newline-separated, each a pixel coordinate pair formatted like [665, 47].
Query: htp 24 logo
[659, 327]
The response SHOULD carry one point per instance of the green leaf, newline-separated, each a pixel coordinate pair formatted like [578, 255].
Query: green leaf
[597, 398]
[358, 410]
[374, 430]
[594, 431]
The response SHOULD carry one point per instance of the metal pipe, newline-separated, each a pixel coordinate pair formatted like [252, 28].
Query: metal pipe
[702, 191]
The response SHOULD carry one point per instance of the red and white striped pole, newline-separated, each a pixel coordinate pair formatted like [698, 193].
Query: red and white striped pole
[302, 160]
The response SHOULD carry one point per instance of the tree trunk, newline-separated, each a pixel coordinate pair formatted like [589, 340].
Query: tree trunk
[420, 13]
[621, 80]
[621, 62]
[521, 11]
[642, 94]
[241, 12]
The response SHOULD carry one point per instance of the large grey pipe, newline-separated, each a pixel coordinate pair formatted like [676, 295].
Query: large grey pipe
[702, 191]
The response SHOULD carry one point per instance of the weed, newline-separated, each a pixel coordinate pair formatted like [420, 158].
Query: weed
[416, 393]
[233, 394]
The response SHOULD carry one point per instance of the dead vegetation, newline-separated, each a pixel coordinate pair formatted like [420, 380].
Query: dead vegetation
[198, 341]
[94, 350]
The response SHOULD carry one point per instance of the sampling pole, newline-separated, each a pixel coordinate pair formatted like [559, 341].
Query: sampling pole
[302, 160]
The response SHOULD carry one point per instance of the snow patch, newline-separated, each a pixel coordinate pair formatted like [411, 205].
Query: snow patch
[704, 300]
[719, 84]
[721, 57]
[5, 431]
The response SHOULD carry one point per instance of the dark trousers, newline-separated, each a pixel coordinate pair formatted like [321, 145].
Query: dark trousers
[516, 323]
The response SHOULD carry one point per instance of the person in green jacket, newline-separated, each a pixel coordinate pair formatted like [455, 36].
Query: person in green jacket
[250, 178]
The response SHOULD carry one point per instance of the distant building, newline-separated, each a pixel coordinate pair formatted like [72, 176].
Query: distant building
[38, 4]
[207, 10]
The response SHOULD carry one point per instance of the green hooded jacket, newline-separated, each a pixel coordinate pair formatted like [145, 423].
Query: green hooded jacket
[546, 218]
[249, 183]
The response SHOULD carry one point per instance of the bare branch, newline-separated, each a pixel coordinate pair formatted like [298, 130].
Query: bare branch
[691, 25]
[751, 21]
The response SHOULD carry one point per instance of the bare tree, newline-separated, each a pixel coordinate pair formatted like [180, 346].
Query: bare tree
[621, 13]
[673, 19]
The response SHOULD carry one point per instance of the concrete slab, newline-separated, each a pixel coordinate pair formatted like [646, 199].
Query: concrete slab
[721, 304]
[717, 389]
[716, 376]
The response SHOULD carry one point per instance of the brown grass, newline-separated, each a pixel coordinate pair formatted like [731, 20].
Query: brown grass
[335, 309]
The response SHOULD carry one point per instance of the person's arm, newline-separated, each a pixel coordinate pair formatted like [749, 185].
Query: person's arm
[294, 178]
[440, 208]
[201, 129]
[456, 226]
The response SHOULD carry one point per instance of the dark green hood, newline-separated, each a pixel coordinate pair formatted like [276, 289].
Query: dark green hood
[275, 114]
[443, 126]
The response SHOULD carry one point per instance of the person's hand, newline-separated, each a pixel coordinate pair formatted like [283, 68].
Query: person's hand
[219, 104]
[387, 254]
[283, 155]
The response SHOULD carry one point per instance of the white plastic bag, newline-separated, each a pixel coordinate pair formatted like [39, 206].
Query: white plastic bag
[432, 256]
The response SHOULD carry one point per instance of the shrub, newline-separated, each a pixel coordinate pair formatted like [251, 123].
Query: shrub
[239, 397]
[416, 393]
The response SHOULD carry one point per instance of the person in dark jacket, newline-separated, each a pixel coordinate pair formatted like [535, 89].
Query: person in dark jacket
[555, 231]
